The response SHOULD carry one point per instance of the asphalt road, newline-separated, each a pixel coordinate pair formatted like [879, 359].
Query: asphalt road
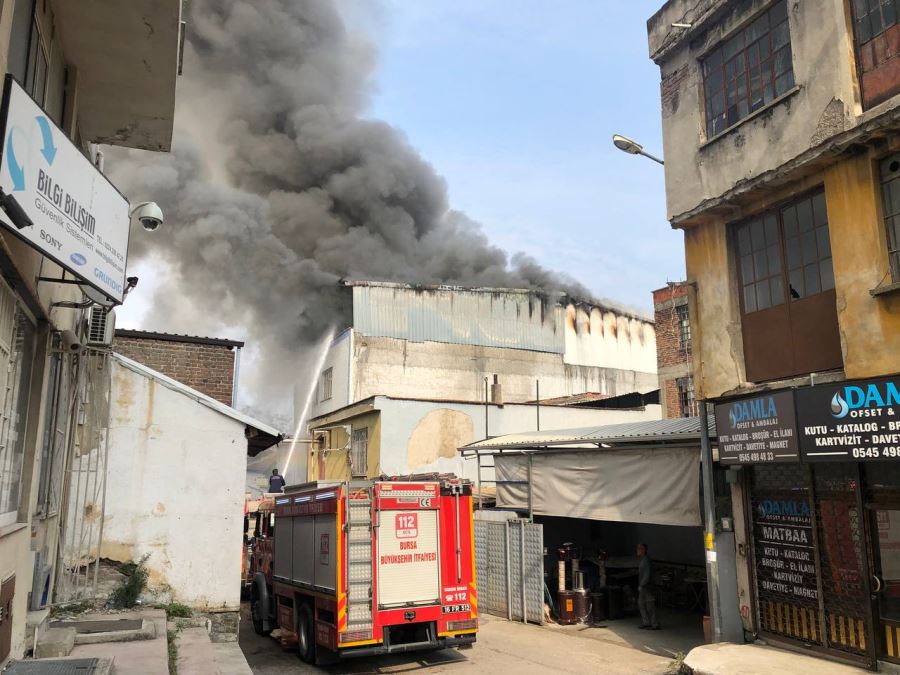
[502, 647]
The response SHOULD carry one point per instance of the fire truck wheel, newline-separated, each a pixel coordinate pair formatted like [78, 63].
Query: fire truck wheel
[306, 641]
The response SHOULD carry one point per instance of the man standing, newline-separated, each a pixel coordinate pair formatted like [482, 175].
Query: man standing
[646, 601]
[276, 482]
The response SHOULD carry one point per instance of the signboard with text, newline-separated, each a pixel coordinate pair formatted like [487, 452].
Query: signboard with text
[756, 430]
[853, 420]
[80, 220]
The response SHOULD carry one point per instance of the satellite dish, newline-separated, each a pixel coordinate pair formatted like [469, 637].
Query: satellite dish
[96, 296]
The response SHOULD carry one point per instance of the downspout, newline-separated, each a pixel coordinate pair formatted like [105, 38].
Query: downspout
[236, 377]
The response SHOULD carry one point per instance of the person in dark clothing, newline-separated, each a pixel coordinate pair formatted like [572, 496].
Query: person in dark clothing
[646, 601]
[276, 482]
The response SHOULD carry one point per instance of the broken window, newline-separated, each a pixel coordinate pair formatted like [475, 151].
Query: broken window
[686, 401]
[359, 452]
[787, 294]
[748, 70]
[890, 193]
[326, 383]
[684, 327]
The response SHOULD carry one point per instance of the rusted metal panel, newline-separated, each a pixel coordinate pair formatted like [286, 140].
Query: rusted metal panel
[484, 317]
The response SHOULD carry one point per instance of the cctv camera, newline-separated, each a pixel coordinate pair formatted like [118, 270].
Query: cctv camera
[150, 215]
[70, 341]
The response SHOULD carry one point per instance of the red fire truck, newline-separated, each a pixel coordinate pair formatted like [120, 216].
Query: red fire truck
[357, 568]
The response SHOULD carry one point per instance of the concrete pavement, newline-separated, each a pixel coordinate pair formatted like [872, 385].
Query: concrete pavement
[726, 658]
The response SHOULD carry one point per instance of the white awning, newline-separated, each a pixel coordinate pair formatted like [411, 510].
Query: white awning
[645, 485]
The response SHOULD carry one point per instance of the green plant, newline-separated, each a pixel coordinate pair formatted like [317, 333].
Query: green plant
[676, 666]
[172, 646]
[71, 608]
[176, 610]
[128, 591]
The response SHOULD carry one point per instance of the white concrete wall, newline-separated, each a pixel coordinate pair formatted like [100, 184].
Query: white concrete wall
[338, 359]
[434, 370]
[607, 339]
[424, 436]
[175, 491]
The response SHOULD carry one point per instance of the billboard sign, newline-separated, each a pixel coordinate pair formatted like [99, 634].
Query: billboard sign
[759, 429]
[856, 420]
[80, 220]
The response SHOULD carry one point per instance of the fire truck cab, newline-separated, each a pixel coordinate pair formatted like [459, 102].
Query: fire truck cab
[369, 567]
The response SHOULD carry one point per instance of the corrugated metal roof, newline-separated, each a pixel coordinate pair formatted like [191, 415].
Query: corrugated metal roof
[201, 398]
[654, 431]
[177, 337]
[484, 317]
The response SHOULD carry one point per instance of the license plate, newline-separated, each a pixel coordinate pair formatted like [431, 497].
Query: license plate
[455, 609]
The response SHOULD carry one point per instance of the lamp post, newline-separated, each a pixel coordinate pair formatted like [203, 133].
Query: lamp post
[625, 144]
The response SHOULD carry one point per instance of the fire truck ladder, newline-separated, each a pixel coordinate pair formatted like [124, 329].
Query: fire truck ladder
[359, 558]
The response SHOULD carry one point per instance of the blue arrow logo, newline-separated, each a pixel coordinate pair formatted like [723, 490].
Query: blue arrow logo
[49, 150]
[16, 172]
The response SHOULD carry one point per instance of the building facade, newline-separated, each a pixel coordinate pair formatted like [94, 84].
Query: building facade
[209, 365]
[673, 351]
[97, 73]
[441, 343]
[780, 127]
[384, 435]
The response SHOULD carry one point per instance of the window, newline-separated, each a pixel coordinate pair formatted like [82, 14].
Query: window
[36, 75]
[890, 193]
[359, 453]
[684, 327]
[787, 290]
[687, 404]
[748, 71]
[56, 418]
[873, 17]
[326, 384]
[16, 355]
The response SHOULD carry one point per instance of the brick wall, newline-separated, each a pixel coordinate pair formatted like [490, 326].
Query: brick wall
[672, 359]
[207, 368]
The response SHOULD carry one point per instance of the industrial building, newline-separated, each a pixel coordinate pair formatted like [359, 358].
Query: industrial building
[781, 131]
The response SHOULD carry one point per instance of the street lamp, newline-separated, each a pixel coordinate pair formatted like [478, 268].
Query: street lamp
[625, 144]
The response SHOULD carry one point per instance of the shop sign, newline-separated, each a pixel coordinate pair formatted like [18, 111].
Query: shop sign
[77, 217]
[853, 420]
[783, 546]
[757, 430]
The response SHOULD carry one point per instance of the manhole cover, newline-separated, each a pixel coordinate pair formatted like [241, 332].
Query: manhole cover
[68, 667]
[99, 626]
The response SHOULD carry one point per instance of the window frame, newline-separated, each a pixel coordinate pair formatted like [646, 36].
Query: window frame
[327, 383]
[359, 452]
[893, 254]
[688, 405]
[718, 50]
[683, 316]
[880, 5]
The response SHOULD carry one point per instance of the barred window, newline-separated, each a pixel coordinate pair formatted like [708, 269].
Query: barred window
[326, 383]
[890, 194]
[749, 70]
[686, 401]
[684, 327]
[359, 453]
[56, 424]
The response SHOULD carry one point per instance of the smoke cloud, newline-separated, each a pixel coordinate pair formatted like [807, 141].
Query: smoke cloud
[277, 187]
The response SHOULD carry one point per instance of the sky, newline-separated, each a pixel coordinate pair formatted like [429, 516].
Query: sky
[515, 102]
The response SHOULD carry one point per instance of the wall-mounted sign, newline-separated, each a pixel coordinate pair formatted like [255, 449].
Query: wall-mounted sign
[80, 220]
[758, 429]
[853, 420]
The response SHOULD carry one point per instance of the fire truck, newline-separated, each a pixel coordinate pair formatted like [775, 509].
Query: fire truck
[358, 568]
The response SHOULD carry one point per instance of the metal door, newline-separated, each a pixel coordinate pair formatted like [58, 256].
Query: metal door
[509, 568]
[884, 524]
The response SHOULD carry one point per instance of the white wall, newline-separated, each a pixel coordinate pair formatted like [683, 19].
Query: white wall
[175, 490]
[338, 359]
[423, 436]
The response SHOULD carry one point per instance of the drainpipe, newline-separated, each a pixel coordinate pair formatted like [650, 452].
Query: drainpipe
[709, 513]
[237, 375]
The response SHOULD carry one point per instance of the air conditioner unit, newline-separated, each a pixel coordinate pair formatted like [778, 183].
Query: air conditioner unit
[101, 327]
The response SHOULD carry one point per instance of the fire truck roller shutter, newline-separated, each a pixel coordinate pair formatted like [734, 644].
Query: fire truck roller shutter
[408, 558]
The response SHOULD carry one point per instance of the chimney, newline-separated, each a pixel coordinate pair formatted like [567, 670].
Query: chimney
[496, 393]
